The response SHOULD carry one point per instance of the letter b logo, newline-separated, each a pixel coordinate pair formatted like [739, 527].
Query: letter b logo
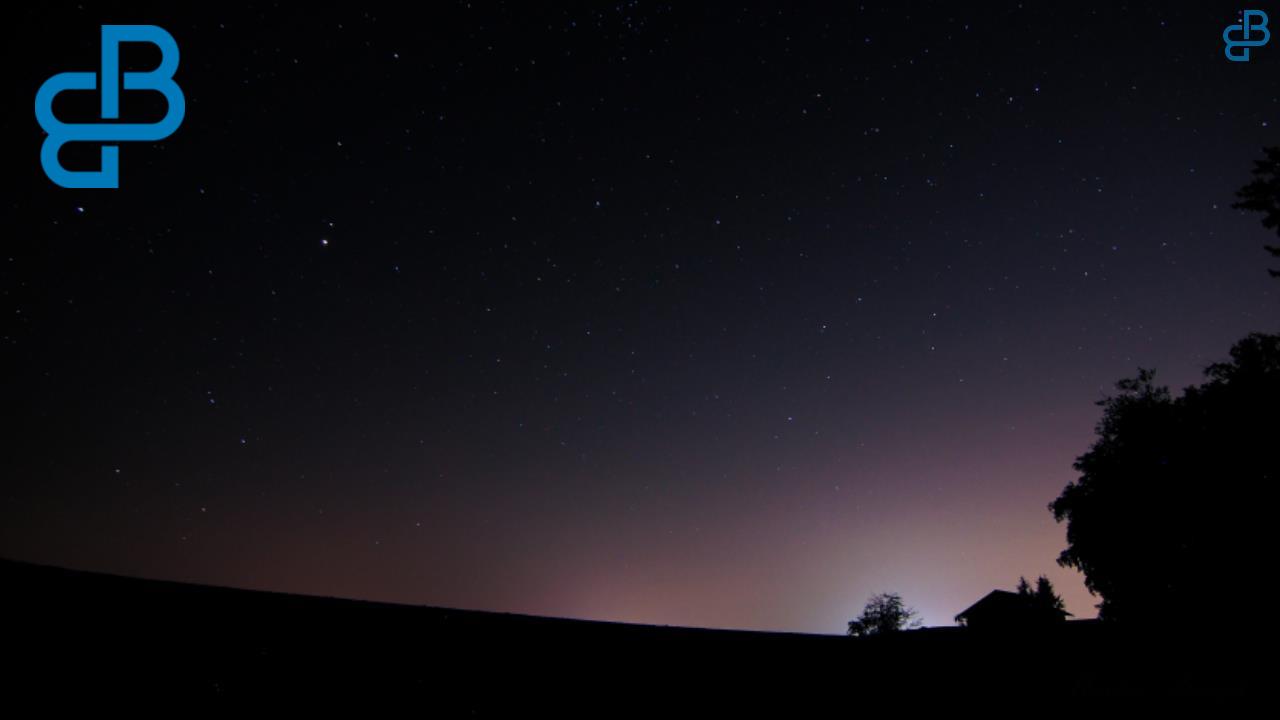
[159, 80]
[1253, 32]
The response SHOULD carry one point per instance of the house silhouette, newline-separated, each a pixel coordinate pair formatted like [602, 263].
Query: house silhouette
[1001, 609]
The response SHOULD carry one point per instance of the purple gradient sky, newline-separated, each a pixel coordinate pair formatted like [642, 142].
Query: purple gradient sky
[715, 316]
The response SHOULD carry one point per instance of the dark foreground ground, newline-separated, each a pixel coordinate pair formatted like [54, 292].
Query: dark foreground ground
[75, 637]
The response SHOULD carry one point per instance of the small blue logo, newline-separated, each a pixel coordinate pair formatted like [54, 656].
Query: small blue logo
[1253, 33]
[159, 80]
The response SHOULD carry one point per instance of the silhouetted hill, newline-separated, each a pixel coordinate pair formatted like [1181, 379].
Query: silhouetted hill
[114, 638]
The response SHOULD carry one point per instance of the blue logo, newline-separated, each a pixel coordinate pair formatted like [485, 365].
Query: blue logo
[1253, 32]
[60, 133]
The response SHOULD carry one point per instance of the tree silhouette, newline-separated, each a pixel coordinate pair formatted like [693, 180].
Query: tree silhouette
[1046, 596]
[1263, 195]
[883, 613]
[1170, 509]
[1043, 595]
[1024, 587]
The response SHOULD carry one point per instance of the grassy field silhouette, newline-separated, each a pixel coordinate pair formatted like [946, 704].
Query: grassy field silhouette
[127, 639]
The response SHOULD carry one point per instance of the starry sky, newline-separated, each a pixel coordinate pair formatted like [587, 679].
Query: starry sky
[696, 314]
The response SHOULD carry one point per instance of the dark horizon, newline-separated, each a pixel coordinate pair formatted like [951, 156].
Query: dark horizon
[709, 316]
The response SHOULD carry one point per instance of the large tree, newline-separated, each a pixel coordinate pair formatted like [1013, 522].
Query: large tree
[1262, 195]
[1172, 507]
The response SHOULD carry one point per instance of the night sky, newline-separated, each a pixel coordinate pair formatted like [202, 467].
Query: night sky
[694, 314]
